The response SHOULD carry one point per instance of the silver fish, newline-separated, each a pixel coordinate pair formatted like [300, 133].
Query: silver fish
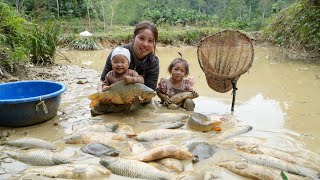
[273, 162]
[133, 168]
[157, 134]
[167, 117]
[253, 171]
[255, 149]
[70, 171]
[38, 157]
[171, 125]
[233, 132]
[30, 143]
[85, 137]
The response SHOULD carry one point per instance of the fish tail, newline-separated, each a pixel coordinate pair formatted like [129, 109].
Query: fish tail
[94, 99]
[94, 96]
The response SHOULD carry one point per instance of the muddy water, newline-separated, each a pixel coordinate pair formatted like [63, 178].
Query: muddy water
[277, 97]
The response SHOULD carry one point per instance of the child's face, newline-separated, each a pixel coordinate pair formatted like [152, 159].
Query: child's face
[178, 71]
[120, 64]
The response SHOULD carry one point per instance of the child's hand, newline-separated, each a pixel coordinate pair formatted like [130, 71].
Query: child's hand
[195, 94]
[128, 79]
[166, 100]
[105, 88]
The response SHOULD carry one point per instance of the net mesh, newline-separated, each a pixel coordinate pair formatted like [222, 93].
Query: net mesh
[224, 57]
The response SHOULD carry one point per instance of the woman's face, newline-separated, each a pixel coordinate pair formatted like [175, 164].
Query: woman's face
[143, 43]
[178, 72]
[120, 64]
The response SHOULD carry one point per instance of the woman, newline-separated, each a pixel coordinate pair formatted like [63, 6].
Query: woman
[143, 61]
[142, 54]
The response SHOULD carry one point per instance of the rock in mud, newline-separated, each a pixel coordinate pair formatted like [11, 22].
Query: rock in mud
[99, 150]
[201, 150]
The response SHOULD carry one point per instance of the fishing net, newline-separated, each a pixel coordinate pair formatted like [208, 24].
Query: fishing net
[224, 57]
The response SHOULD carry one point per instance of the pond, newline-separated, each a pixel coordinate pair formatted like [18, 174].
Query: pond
[277, 97]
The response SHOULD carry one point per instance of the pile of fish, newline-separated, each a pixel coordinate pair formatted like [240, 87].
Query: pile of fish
[162, 152]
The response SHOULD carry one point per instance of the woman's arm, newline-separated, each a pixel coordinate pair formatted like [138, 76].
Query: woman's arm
[152, 74]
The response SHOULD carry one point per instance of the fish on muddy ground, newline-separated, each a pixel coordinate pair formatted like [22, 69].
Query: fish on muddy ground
[96, 127]
[121, 93]
[273, 162]
[171, 125]
[254, 171]
[70, 171]
[172, 163]
[133, 168]
[256, 149]
[85, 137]
[201, 122]
[233, 132]
[30, 143]
[166, 117]
[180, 97]
[38, 157]
[164, 151]
[125, 129]
[157, 134]
[99, 150]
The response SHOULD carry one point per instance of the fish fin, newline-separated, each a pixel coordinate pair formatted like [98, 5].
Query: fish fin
[93, 96]
[93, 103]
[216, 128]
[132, 136]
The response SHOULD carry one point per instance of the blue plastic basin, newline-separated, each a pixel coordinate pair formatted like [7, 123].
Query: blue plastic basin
[25, 103]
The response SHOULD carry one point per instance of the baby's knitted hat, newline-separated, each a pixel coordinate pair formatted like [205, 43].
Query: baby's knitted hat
[122, 51]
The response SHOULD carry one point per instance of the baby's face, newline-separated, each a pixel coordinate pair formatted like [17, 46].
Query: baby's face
[120, 64]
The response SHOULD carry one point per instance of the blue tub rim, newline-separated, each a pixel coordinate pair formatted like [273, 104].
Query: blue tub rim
[37, 98]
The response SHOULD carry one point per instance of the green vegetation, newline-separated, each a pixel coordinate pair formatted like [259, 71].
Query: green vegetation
[44, 40]
[181, 22]
[297, 27]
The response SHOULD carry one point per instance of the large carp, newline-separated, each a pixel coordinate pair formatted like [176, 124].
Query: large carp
[133, 168]
[180, 97]
[233, 132]
[273, 162]
[157, 134]
[71, 171]
[30, 143]
[255, 149]
[253, 171]
[121, 93]
[160, 152]
[38, 157]
[85, 137]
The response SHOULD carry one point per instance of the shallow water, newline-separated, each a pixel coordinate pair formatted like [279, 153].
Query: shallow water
[277, 97]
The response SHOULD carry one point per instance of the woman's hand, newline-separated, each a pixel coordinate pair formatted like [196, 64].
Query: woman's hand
[128, 79]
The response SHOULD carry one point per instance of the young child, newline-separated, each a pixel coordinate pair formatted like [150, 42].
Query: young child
[176, 85]
[120, 60]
